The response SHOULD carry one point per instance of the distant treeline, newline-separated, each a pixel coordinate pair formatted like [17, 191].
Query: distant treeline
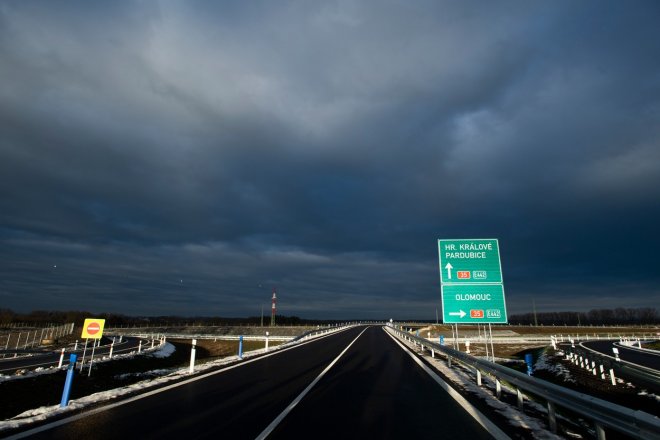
[40, 318]
[43, 317]
[618, 316]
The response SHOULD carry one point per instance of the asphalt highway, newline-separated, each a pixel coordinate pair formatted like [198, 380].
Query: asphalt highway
[643, 358]
[357, 383]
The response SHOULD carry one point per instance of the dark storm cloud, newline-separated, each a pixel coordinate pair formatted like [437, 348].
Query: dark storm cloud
[172, 158]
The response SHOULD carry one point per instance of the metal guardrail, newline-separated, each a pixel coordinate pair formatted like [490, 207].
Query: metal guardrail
[636, 424]
[218, 337]
[638, 374]
[322, 331]
[628, 346]
[319, 331]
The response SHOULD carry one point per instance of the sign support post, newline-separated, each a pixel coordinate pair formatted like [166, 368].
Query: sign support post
[492, 348]
[91, 361]
[82, 360]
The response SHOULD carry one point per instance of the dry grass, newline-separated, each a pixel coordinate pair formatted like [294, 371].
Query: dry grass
[219, 348]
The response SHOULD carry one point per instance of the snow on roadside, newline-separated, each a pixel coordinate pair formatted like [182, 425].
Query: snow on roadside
[649, 395]
[146, 374]
[45, 412]
[166, 350]
[549, 363]
[464, 378]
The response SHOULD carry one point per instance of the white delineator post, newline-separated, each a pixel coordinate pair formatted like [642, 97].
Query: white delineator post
[140, 347]
[192, 357]
[266, 341]
[61, 359]
[112, 347]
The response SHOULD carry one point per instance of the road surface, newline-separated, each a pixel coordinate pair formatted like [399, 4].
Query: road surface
[372, 388]
[644, 358]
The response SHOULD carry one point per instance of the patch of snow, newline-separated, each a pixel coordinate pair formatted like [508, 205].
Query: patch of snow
[554, 366]
[649, 395]
[37, 372]
[146, 374]
[165, 351]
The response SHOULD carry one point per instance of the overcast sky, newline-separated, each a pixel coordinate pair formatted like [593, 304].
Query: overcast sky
[161, 158]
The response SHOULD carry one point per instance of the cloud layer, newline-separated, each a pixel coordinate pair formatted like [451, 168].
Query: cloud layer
[176, 158]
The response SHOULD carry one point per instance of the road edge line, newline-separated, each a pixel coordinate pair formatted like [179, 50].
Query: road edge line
[484, 421]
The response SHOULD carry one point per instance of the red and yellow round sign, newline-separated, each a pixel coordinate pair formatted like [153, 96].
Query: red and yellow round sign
[93, 328]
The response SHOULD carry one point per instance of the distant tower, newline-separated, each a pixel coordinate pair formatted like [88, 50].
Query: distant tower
[273, 309]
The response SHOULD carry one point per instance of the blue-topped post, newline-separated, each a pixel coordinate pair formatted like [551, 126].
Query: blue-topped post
[69, 380]
[240, 347]
[442, 340]
[528, 361]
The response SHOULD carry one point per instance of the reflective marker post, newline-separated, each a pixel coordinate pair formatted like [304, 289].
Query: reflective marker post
[240, 347]
[59, 365]
[69, 380]
[191, 370]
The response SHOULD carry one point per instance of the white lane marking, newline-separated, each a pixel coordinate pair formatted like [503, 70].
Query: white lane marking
[159, 390]
[484, 421]
[266, 432]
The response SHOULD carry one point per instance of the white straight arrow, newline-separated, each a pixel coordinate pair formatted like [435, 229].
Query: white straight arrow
[449, 267]
[460, 313]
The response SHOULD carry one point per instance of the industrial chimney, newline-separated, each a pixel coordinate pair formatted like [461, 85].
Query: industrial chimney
[273, 309]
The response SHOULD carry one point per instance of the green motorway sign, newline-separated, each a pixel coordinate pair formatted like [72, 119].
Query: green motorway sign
[470, 261]
[471, 282]
[473, 304]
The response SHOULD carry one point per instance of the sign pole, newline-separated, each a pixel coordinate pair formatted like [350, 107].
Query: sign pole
[486, 343]
[91, 361]
[82, 360]
[492, 349]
